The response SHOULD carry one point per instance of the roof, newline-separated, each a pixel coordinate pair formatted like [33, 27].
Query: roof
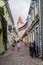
[20, 20]
[23, 27]
[25, 34]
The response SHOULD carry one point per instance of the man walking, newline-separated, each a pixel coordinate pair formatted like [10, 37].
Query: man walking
[33, 49]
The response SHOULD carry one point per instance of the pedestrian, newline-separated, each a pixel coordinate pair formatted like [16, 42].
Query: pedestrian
[13, 45]
[18, 45]
[33, 49]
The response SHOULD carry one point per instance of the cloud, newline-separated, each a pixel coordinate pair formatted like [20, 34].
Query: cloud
[19, 8]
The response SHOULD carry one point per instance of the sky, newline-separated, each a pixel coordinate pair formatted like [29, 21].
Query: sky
[19, 8]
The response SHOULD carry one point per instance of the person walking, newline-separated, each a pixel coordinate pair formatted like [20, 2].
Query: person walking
[13, 45]
[33, 53]
[18, 45]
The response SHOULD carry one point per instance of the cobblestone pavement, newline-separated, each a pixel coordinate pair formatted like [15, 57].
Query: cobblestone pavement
[19, 58]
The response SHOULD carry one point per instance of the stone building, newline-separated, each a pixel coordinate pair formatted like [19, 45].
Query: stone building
[40, 4]
[33, 23]
[1, 33]
[10, 24]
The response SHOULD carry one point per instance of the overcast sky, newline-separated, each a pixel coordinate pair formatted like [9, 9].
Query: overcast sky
[19, 8]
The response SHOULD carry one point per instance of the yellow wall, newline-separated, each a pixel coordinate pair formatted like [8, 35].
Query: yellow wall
[1, 40]
[25, 40]
[1, 3]
[9, 22]
[1, 34]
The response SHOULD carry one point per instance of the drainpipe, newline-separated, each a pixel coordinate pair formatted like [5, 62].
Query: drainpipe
[40, 28]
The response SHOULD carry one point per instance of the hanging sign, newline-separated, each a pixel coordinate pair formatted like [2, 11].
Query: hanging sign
[10, 28]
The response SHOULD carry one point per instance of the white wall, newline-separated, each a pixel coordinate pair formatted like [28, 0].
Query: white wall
[32, 15]
[36, 10]
[29, 20]
[20, 33]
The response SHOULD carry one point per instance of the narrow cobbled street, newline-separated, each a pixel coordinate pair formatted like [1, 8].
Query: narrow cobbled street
[21, 32]
[19, 58]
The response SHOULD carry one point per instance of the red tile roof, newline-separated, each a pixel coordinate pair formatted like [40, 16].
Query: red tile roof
[20, 20]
